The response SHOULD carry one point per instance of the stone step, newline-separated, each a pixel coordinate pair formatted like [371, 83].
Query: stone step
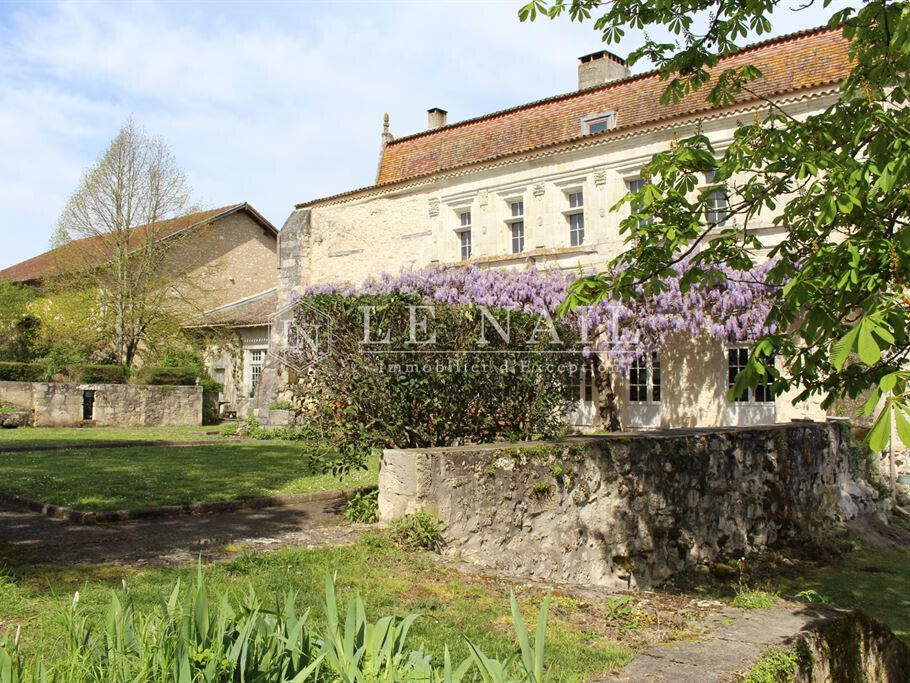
[842, 646]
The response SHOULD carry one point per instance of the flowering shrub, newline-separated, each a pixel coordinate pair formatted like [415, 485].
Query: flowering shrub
[364, 393]
[732, 309]
[471, 385]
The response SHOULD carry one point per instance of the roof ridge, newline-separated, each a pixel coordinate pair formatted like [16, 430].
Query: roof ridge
[197, 217]
[578, 139]
[240, 302]
[804, 33]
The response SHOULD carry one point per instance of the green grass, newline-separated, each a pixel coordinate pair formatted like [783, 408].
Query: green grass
[775, 666]
[391, 582]
[754, 599]
[74, 436]
[875, 581]
[141, 476]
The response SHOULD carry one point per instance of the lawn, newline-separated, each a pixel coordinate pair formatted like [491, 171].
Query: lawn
[75, 436]
[452, 605]
[875, 581]
[142, 476]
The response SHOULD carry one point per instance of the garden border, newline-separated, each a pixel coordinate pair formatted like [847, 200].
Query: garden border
[112, 516]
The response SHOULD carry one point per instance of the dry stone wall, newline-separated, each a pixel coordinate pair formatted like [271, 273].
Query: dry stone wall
[55, 404]
[626, 510]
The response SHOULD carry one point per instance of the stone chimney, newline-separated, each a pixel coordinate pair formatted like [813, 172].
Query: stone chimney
[601, 67]
[436, 118]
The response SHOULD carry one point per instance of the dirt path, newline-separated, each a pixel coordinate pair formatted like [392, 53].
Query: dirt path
[31, 537]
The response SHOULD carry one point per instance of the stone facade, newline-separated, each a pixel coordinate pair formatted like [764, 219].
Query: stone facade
[238, 260]
[414, 225]
[56, 404]
[630, 509]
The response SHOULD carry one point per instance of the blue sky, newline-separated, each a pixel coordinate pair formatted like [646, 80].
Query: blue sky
[271, 103]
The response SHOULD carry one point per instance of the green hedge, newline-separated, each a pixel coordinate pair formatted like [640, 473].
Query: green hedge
[158, 375]
[97, 374]
[22, 372]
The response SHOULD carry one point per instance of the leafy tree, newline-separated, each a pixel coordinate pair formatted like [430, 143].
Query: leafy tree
[112, 240]
[18, 328]
[68, 319]
[838, 182]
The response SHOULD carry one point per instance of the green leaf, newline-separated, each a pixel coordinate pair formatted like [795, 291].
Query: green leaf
[871, 402]
[841, 349]
[540, 639]
[866, 347]
[521, 632]
[903, 425]
[881, 430]
[887, 382]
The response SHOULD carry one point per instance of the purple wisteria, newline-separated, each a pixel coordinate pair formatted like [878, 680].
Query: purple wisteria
[733, 311]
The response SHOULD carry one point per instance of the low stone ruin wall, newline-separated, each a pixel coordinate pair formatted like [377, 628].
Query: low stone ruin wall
[54, 404]
[630, 509]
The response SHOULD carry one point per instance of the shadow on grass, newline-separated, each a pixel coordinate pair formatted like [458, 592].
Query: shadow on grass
[122, 478]
[32, 538]
[848, 573]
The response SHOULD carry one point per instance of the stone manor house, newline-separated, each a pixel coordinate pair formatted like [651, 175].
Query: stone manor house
[533, 185]
[529, 185]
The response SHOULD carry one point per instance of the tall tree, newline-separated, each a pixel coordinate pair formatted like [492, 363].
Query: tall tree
[837, 182]
[111, 239]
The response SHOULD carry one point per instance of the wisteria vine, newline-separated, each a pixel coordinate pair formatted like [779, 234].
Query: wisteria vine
[733, 310]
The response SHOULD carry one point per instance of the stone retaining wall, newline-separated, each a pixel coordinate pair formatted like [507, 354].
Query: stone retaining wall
[630, 509]
[54, 404]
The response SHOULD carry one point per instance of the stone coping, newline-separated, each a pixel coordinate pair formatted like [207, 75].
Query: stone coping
[114, 516]
[616, 436]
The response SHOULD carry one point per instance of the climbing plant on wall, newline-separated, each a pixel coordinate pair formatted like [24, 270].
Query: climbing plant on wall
[434, 408]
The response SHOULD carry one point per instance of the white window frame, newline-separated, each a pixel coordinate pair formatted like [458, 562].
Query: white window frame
[582, 409]
[577, 210]
[463, 229]
[748, 397]
[513, 220]
[716, 191]
[652, 370]
[252, 379]
[606, 117]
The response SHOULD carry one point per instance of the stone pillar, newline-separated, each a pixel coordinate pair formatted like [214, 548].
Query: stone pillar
[293, 274]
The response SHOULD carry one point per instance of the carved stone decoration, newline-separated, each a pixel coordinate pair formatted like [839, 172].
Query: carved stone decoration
[433, 208]
[538, 190]
[387, 137]
[482, 200]
[600, 178]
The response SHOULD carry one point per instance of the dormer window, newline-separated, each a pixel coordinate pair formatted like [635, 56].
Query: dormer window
[598, 123]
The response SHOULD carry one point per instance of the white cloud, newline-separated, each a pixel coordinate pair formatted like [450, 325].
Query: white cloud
[269, 103]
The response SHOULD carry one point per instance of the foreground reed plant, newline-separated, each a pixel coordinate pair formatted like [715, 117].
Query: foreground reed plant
[190, 638]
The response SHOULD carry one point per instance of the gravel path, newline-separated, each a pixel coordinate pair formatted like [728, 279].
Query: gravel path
[31, 537]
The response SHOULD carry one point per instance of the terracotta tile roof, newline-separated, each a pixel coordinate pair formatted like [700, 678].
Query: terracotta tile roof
[791, 63]
[46, 264]
[254, 310]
